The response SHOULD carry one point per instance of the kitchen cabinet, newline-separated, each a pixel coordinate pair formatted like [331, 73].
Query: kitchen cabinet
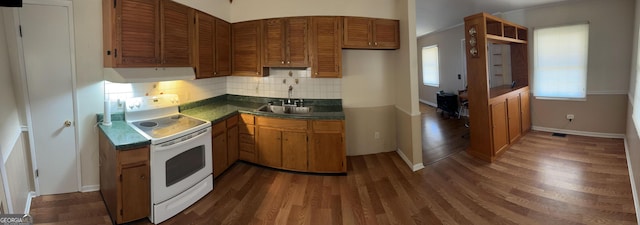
[499, 115]
[327, 151]
[224, 144]
[325, 51]
[371, 33]
[286, 42]
[246, 56]
[246, 138]
[280, 142]
[147, 33]
[124, 181]
[213, 46]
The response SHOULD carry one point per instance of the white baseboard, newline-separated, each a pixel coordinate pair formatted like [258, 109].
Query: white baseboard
[636, 201]
[90, 188]
[27, 206]
[415, 167]
[429, 103]
[577, 132]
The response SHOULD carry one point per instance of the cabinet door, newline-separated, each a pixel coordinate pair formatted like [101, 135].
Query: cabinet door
[177, 36]
[326, 39]
[386, 34]
[137, 33]
[219, 148]
[297, 42]
[357, 32]
[135, 188]
[274, 42]
[327, 153]
[513, 110]
[247, 48]
[499, 126]
[205, 45]
[525, 111]
[294, 151]
[223, 48]
[269, 145]
[232, 145]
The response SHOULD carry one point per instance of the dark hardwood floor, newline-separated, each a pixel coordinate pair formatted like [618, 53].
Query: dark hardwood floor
[442, 136]
[540, 180]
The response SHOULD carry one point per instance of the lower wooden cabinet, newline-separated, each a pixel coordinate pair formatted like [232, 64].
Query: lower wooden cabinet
[301, 145]
[499, 124]
[124, 181]
[510, 118]
[224, 144]
[246, 138]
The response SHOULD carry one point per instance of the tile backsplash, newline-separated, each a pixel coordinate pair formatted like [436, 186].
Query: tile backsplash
[276, 85]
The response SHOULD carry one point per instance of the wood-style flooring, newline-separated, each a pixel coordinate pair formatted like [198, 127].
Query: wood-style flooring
[442, 135]
[540, 180]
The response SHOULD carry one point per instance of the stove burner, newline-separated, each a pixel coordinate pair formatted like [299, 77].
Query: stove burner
[148, 124]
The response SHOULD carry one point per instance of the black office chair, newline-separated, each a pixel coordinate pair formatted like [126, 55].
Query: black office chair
[464, 106]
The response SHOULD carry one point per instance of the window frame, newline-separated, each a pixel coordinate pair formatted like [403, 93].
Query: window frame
[437, 66]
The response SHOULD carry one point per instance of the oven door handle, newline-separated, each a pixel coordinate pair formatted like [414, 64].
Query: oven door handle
[180, 141]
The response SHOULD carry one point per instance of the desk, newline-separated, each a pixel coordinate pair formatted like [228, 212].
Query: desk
[447, 102]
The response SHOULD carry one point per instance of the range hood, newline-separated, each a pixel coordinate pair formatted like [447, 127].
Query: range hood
[145, 75]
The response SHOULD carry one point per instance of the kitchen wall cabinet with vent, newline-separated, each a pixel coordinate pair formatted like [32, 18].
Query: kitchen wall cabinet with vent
[286, 42]
[246, 53]
[499, 115]
[371, 33]
[326, 43]
[124, 181]
[213, 46]
[147, 33]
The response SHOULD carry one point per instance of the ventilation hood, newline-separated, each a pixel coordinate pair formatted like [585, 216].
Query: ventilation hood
[146, 75]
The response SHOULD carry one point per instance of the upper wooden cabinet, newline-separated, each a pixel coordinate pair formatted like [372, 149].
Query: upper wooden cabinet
[325, 50]
[213, 46]
[147, 33]
[286, 42]
[371, 33]
[247, 49]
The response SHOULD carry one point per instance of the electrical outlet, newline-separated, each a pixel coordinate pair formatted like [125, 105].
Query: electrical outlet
[376, 135]
[570, 117]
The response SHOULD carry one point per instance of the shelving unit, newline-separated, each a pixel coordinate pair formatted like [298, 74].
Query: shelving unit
[498, 114]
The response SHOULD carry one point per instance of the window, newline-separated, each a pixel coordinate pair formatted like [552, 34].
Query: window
[560, 62]
[430, 72]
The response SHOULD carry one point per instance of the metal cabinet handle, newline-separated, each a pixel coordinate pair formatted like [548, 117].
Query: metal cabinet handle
[67, 123]
[281, 62]
[142, 177]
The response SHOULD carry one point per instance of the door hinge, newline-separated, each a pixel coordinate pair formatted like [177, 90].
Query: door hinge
[121, 212]
[20, 30]
[121, 177]
[37, 173]
[115, 53]
[114, 3]
[194, 20]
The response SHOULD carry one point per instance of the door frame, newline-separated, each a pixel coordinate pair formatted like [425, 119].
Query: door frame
[14, 28]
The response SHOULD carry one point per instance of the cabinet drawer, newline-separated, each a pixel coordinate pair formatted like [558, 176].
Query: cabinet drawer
[132, 157]
[247, 119]
[247, 129]
[218, 128]
[247, 138]
[246, 147]
[327, 125]
[282, 123]
[232, 121]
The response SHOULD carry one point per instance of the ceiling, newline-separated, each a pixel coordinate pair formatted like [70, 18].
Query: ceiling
[435, 15]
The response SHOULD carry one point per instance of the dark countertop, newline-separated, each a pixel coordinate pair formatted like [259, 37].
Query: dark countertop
[123, 137]
[216, 109]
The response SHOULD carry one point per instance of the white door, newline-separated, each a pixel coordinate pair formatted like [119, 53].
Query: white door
[47, 46]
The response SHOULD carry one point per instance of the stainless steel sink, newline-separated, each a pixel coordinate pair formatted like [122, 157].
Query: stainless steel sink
[286, 109]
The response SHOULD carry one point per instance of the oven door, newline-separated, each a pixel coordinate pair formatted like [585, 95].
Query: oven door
[179, 164]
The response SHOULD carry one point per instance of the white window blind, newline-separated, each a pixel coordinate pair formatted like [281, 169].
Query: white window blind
[560, 61]
[430, 72]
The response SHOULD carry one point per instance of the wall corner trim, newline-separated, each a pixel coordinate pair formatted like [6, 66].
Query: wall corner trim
[632, 180]
[415, 167]
[27, 206]
[90, 188]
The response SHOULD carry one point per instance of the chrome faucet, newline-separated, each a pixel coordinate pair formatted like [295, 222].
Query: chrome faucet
[290, 91]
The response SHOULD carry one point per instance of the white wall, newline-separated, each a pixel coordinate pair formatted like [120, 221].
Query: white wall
[9, 119]
[450, 55]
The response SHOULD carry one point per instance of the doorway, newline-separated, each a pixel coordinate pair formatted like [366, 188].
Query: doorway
[48, 75]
